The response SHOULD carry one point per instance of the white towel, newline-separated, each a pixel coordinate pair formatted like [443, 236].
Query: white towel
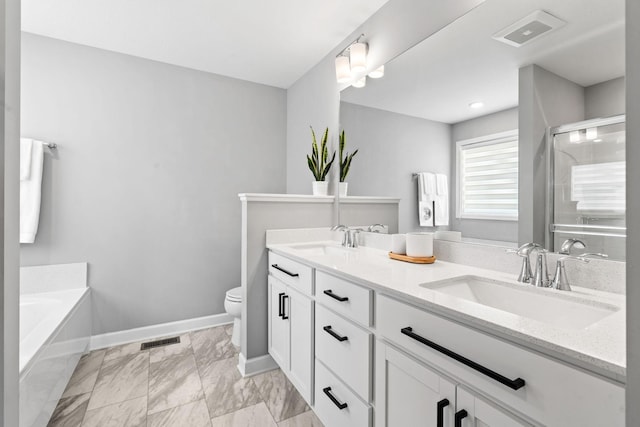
[25, 158]
[30, 194]
[442, 200]
[426, 197]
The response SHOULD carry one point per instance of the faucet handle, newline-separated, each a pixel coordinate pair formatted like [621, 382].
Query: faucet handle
[594, 255]
[560, 281]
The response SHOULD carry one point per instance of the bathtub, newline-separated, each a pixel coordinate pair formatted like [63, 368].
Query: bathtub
[55, 328]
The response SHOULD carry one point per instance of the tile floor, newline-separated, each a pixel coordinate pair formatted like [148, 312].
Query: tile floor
[191, 384]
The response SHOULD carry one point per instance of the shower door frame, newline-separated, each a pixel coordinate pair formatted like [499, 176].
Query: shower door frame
[551, 147]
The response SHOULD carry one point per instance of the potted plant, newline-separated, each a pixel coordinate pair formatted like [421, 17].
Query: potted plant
[345, 164]
[318, 163]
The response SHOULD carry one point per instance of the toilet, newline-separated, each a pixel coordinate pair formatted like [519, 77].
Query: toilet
[233, 306]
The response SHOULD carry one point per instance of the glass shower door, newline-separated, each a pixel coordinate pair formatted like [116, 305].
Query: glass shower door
[588, 185]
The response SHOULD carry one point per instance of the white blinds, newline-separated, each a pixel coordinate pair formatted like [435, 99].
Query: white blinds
[488, 179]
[599, 187]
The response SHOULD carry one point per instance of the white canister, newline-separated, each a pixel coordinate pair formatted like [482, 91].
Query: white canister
[420, 245]
[399, 244]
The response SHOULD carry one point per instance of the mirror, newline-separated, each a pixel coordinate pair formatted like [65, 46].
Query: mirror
[411, 119]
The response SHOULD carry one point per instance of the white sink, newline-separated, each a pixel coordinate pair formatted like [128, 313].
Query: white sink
[321, 249]
[558, 308]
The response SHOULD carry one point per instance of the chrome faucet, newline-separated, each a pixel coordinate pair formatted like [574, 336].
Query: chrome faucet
[541, 275]
[569, 244]
[524, 251]
[349, 236]
[560, 281]
[372, 228]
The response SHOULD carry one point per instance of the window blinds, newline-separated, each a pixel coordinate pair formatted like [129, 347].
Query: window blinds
[488, 174]
[599, 187]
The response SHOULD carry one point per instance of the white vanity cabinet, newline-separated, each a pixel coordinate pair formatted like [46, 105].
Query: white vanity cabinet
[410, 393]
[290, 329]
[536, 387]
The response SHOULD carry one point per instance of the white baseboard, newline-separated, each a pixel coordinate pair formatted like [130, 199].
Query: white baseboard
[256, 365]
[155, 331]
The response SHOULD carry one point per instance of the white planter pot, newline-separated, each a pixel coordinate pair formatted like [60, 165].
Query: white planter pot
[342, 189]
[320, 188]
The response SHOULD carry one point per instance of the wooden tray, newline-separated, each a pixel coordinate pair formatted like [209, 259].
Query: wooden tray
[415, 260]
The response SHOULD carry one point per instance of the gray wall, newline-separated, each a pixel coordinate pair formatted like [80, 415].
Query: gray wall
[501, 121]
[545, 100]
[633, 210]
[145, 180]
[392, 147]
[604, 99]
[314, 98]
[9, 166]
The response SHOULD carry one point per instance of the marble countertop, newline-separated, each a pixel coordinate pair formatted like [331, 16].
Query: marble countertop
[599, 348]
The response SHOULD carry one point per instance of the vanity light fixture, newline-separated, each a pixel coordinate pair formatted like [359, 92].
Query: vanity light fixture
[377, 73]
[358, 56]
[592, 133]
[343, 69]
[362, 82]
[476, 104]
[352, 59]
[574, 136]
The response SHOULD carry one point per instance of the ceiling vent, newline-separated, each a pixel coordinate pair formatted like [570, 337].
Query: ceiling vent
[529, 28]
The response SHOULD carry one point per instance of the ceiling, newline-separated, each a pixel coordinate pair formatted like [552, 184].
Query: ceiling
[461, 64]
[269, 42]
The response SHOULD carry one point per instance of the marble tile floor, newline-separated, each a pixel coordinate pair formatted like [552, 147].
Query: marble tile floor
[191, 384]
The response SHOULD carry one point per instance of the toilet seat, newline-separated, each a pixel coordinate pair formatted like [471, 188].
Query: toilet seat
[234, 295]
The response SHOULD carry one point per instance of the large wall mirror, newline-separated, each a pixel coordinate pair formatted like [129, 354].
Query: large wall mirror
[462, 85]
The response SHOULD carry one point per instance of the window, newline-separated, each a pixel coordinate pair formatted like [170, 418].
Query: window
[487, 172]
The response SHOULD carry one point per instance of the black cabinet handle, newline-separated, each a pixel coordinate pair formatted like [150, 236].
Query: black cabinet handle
[333, 334]
[280, 310]
[459, 416]
[284, 271]
[284, 308]
[440, 417]
[334, 296]
[327, 391]
[516, 384]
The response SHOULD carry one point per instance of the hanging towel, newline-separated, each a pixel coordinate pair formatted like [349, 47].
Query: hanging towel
[442, 200]
[426, 197]
[30, 193]
[25, 158]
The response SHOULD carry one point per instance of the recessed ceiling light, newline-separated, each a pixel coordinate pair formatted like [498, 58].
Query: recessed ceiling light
[597, 140]
[476, 104]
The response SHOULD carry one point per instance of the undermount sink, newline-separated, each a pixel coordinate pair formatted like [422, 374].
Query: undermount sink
[559, 309]
[320, 249]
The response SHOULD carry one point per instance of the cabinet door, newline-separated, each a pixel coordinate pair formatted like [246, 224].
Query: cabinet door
[278, 323]
[482, 414]
[409, 393]
[300, 312]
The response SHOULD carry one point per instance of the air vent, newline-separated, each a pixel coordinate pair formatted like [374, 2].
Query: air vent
[160, 343]
[529, 28]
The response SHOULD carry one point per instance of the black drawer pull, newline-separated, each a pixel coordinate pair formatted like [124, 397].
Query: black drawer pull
[440, 417]
[516, 384]
[327, 391]
[459, 416]
[334, 296]
[284, 308]
[333, 334]
[280, 310]
[284, 271]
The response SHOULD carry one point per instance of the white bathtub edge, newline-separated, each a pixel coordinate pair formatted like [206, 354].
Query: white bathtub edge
[159, 330]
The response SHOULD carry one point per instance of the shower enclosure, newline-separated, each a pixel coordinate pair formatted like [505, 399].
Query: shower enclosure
[587, 186]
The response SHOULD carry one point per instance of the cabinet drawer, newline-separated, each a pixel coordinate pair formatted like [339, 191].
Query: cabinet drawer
[347, 410]
[346, 349]
[291, 272]
[346, 298]
[554, 393]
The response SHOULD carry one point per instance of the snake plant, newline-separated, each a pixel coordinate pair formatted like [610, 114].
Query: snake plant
[318, 163]
[345, 161]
